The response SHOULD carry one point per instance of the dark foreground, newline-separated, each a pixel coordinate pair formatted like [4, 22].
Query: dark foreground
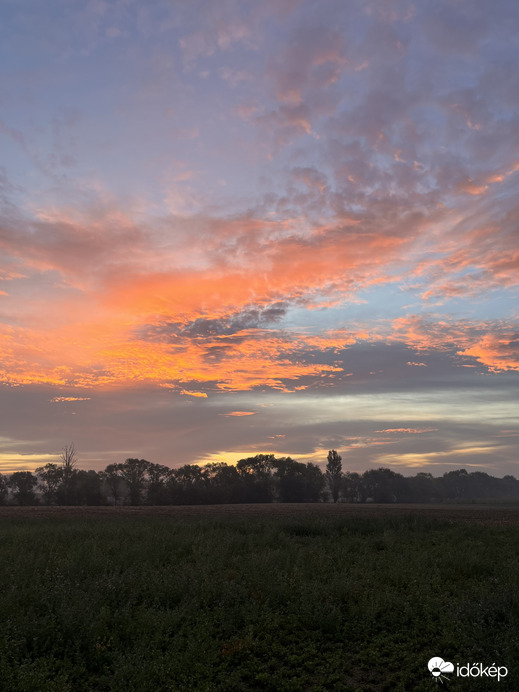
[257, 597]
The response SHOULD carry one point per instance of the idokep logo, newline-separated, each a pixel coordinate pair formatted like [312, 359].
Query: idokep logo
[438, 667]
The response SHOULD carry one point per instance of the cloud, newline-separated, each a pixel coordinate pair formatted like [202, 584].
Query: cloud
[201, 395]
[312, 58]
[493, 344]
[309, 201]
[499, 352]
[239, 413]
[410, 431]
[246, 319]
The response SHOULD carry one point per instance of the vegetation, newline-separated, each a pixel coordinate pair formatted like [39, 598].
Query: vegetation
[334, 473]
[234, 602]
[262, 478]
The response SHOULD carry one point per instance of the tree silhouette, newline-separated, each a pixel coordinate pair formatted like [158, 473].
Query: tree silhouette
[133, 471]
[3, 490]
[68, 470]
[113, 478]
[157, 476]
[297, 482]
[334, 473]
[224, 483]
[23, 484]
[189, 484]
[87, 488]
[383, 485]
[50, 477]
[256, 473]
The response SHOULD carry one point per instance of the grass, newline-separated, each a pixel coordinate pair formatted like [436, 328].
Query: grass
[261, 602]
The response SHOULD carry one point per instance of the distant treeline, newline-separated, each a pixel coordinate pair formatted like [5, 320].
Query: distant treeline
[262, 478]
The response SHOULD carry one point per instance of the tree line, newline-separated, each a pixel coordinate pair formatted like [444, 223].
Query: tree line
[261, 478]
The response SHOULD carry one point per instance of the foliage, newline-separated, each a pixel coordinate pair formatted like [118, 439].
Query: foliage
[334, 473]
[262, 478]
[257, 477]
[23, 483]
[113, 478]
[68, 472]
[134, 473]
[224, 603]
[4, 489]
[50, 477]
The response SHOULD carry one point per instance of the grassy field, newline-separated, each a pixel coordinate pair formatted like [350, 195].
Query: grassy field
[263, 597]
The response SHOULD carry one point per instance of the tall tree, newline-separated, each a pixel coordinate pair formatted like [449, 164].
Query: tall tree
[68, 470]
[334, 473]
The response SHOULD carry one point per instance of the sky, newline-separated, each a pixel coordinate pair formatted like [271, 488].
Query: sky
[244, 226]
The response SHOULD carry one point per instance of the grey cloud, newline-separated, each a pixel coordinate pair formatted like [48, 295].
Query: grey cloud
[249, 318]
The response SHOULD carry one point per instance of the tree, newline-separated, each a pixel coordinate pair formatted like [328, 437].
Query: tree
[133, 471]
[157, 476]
[422, 487]
[23, 484]
[383, 485]
[68, 470]
[352, 487]
[188, 485]
[3, 490]
[256, 473]
[113, 478]
[50, 477]
[454, 484]
[224, 483]
[508, 487]
[334, 473]
[297, 482]
[87, 488]
[314, 483]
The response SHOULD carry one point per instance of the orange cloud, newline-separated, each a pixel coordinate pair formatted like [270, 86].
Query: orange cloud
[499, 352]
[90, 331]
[494, 345]
[239, 413]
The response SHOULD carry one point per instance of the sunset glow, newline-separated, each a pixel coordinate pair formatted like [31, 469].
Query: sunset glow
[244, 227]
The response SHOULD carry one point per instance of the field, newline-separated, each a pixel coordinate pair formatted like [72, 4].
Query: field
[256, 597]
